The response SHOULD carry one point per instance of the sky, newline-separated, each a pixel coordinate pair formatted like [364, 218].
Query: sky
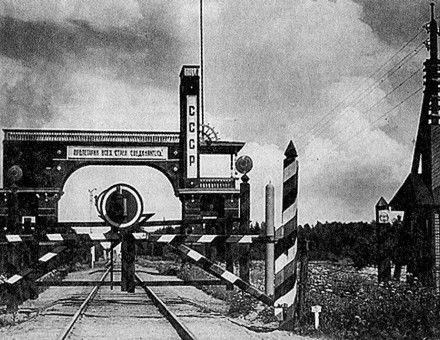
[325, 74]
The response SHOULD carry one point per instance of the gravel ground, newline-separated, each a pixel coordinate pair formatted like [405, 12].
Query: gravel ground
[45, 321]
[130, 316]
[205, 315]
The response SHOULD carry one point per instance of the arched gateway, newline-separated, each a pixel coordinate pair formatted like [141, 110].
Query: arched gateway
[37, 163]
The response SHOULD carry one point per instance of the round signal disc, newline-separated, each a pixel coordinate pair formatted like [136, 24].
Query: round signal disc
[121, 206]
[244, 164]
[98, 202]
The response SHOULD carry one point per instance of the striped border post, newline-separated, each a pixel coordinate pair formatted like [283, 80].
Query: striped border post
[286, 281]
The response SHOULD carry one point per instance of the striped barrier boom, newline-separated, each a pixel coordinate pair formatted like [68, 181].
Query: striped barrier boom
[212, 268]
[67, 237]
[200, 239]
[286, 281]
[139, 236]
[42, 261]
[148, 223]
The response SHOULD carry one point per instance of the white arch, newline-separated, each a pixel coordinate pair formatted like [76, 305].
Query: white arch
[154, 187]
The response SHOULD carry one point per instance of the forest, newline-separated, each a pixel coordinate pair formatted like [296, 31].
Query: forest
[360, 243]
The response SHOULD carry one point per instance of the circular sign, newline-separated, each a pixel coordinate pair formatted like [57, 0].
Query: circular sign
[120, 205]
[384, 216]
[15, 173]
[243, 164]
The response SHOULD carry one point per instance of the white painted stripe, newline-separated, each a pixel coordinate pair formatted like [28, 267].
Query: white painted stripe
[290, 170]
[289, 298]
[290, 212]
[228, 276]
[278, 313]
[207, 238]
[166, 238]
[106, 245]
[209, 218]
[14, 279]
[246, 239]
[285, 259]
[47, 257]
[194, 255]
[55, 237]
[140, 236]
[14, 238]
[97, 236]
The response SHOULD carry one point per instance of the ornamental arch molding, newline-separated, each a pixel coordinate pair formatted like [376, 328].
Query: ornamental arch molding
[37, 163]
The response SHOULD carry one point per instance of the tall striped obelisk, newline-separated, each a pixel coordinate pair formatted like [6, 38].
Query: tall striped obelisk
[286, 282]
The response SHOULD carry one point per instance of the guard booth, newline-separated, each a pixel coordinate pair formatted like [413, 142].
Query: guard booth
[37, 163]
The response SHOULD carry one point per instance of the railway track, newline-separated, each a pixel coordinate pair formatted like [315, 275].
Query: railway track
[89, 312]
[107, 313]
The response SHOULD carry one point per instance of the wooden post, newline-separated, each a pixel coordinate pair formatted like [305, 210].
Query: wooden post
[382, 224]
[14, 257]
[128, 249]
[286, 254]
[228, 249]
[270, 245]
[303, 282]
[244, 226]
[111, 265]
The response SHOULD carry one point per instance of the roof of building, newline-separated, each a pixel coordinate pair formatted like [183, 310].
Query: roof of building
[412, 193]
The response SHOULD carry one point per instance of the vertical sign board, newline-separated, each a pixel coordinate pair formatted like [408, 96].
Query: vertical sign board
[192, 140]
[189, 124]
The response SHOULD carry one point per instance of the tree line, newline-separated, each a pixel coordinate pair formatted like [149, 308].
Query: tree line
[362, 243]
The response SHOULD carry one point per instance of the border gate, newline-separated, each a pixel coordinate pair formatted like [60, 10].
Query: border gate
[37, 164]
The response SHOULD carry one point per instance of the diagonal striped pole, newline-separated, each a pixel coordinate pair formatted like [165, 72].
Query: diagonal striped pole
[286, 281]
[42, 262]
[217, 271]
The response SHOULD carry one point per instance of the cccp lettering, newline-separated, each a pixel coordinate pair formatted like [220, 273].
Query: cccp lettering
[192, 160]
[192, 127]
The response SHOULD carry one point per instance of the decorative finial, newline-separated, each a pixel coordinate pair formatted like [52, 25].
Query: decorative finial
[290, 151]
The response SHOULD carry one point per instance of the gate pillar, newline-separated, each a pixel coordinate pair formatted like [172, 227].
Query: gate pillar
[244, 226]
[47, 208]
[191, 210]
[128, 253]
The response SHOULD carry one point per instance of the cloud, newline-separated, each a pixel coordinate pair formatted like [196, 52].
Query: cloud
[395, 21]
[273, 69]
[45, 50]
[339, 178]
[352, 170]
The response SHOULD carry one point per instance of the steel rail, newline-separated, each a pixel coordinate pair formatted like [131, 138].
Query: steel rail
[181, 329]
[66, 283]
[82, 308]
